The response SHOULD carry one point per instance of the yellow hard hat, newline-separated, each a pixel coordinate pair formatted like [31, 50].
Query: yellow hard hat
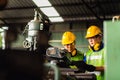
[68, 37]
[93, 31]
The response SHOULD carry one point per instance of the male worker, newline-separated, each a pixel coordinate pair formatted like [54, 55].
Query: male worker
[68, 41]
[95, 55]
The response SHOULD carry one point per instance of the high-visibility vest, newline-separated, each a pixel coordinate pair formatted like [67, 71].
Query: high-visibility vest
[96, 58]
[78, 57]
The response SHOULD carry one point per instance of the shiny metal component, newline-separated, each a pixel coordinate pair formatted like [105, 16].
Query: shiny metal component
[115, 18]
[32, 29]
[3, 34]
[55, 52]
[26, 44]
[56, 70]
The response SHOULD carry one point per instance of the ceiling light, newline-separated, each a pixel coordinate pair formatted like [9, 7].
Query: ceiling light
[49, 11]
[42, 3]
[56, 19]
[47, 8]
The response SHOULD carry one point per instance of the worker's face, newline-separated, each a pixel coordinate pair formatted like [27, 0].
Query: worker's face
[70, 47]
[93, 40]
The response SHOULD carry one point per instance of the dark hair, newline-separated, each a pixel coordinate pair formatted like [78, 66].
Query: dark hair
[99, 35]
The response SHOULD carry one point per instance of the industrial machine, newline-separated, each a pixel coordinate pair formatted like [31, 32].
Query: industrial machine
[112, 48]
[32, 28]
[39, 23]
[23, 64]
[58, 59]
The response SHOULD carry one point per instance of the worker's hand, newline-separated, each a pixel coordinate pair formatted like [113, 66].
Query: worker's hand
[83, 65]
[62, 64]
[66, 60]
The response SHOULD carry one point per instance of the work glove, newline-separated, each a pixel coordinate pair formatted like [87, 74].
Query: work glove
[64, 62]
[83, 65]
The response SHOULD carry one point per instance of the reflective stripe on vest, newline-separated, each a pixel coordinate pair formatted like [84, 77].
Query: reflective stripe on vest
[95, 57]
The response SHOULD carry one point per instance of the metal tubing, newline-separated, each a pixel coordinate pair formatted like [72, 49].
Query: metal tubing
[56, 70]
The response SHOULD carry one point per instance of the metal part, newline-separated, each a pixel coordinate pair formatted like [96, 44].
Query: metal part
[56, 70]
[3, 34]
[115, 18]
[67, 72]
[55, 52]
[32, 29]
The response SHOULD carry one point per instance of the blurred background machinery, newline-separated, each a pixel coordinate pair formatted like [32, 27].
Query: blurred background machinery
[112, 48]
[33, 27]
[57, 71]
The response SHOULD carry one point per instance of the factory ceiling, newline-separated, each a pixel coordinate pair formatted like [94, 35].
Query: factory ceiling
[22, 11]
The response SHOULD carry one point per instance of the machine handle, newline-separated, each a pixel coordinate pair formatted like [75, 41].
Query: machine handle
[115, 18]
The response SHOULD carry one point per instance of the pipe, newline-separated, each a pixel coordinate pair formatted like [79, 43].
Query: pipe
[56, 70]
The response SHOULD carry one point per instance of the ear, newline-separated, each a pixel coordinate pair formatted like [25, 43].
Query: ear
[100, 38]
